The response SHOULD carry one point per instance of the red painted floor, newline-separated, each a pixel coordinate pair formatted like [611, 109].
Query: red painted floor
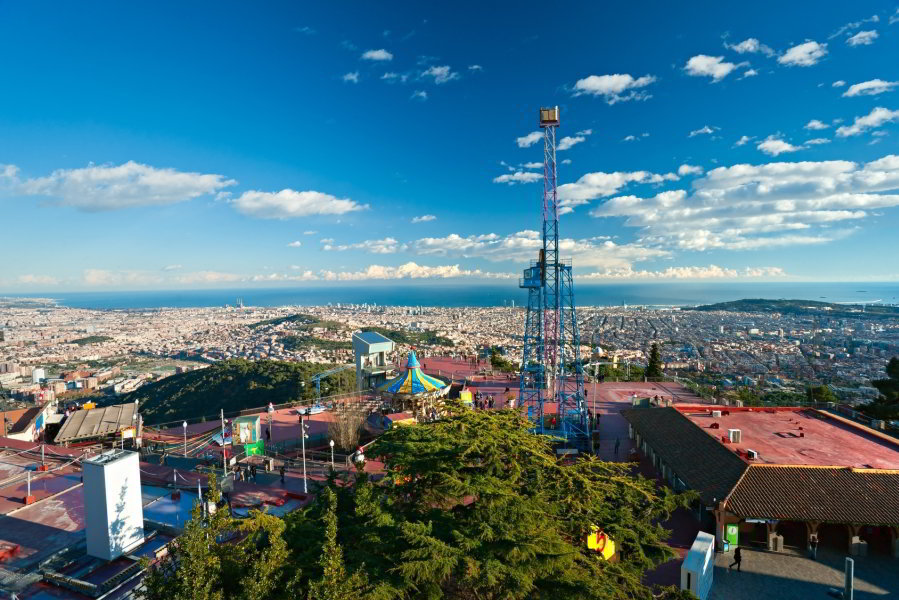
[776, 437]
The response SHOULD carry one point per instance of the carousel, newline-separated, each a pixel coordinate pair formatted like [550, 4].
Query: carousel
[414, 392]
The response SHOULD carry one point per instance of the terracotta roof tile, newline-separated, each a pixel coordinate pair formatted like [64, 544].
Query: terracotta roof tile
[696, 457]
[825, 494]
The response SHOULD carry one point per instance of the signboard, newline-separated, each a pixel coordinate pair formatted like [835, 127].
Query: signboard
[599, 542]
[128, 433]
[254, 448]
[732, 534]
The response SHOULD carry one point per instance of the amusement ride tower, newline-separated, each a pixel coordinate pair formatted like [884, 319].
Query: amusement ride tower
[551, 368]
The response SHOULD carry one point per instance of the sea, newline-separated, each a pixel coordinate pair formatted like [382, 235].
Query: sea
[480, 294]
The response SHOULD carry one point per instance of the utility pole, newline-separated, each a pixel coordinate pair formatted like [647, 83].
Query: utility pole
[303, 437]
[224, 456]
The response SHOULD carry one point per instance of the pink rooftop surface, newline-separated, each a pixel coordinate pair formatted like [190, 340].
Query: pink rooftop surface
[791, 436]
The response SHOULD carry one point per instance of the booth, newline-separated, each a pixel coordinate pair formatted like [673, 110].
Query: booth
[247, 433]
[696, 572]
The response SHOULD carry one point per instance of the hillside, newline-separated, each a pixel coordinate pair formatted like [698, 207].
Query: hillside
[232, 385]
[802, 307]
[412, 338]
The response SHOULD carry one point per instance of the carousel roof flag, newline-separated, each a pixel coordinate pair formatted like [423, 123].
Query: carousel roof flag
[413, 382]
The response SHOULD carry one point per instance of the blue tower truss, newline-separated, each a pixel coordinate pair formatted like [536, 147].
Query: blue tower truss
[551, 368]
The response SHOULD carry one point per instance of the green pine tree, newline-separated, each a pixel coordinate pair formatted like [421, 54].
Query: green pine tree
[335, 582]
[654, 368]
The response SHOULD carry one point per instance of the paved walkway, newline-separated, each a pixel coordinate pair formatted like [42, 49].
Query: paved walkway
[788, 576]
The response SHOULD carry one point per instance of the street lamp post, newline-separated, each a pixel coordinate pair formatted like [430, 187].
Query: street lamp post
[303, 437]
[331, 443]
[271, 411]
[184, 426]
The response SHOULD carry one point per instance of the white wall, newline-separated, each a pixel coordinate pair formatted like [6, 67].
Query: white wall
[113, 511]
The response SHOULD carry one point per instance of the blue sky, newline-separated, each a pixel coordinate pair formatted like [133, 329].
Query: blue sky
[193, 145]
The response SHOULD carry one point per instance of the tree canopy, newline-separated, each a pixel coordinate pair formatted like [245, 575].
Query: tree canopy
[887, 405]
[233, 385]
[472, 506]
[654, 368]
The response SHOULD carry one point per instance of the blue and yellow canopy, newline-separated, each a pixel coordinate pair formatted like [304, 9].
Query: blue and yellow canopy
[412, 381]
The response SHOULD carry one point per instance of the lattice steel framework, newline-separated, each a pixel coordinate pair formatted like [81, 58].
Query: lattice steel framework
[551, 365]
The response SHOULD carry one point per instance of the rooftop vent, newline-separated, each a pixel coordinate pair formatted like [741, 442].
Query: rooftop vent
[752, 454]
[735, 435]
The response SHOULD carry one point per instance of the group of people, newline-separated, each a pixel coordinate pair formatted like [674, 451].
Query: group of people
[245, 473]
[482, 401]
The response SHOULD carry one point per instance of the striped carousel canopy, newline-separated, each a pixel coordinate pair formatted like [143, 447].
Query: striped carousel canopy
[412, 381]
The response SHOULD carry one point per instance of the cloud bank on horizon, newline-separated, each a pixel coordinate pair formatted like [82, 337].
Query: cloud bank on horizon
[754, 150]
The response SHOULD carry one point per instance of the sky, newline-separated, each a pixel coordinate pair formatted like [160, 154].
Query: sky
[172, 145]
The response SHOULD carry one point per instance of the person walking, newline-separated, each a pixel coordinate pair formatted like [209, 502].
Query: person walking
[281, 471]
[253, 472]
[813, 547]
[738, 558]
[617, 445]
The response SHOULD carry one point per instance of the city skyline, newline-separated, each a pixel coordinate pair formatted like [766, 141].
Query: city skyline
[189, 148]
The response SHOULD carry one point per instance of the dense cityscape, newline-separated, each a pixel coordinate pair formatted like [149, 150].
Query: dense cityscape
[119, 350]
[449, 301]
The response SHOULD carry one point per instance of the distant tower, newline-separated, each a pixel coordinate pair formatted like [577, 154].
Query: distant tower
[551, 365]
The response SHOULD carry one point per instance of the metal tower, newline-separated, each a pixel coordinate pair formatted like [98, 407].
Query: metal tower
[551, 366]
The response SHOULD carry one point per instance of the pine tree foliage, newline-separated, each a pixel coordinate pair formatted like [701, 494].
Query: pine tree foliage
[473, 507]
[654, 368]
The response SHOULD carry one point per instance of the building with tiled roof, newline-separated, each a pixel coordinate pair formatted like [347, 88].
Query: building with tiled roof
[778, 476]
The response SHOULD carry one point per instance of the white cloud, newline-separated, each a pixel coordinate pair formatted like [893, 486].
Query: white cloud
[532, 165]
[124, 278]
[379, 55]
[209, 277]
[424, 219]
[518, 177]
[411, 270]
[774, 146]
[870, 88]
[108, 187]
[288, 204]
[703, 65]
[529, 140]
[352, 77]
[803, 55]
[566, 161]
[172, 268]
[743, 140]
[838, 83]
[853, 25]
[816, 124]
[440, 74]
[619, 87]
[709, 272]
[475, 68]
[894, 18]
[524, 245]
[877, 117]
[629, 138]
[390, 76]
[817, 141]
[749, 73]
[327, 240]
[746, 207]
[704, 130]
[686, 169]
[585, 132]
[388, 245]
[295, 244]
[305, 29]
[310, 232]
[37, 280]
[599, 184]
[750, 45]
[419, 95]
[568, 141]
[862, 38]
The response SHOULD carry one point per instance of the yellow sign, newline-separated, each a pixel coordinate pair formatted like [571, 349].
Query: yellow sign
[601, 543]
[89, 405]
[465, 396]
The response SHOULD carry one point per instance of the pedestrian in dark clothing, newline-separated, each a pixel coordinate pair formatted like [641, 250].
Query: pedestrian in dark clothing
[617, 445]
[281, 470]
[268, 434]
[813, 547]
[253, 473]
[738, 558]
